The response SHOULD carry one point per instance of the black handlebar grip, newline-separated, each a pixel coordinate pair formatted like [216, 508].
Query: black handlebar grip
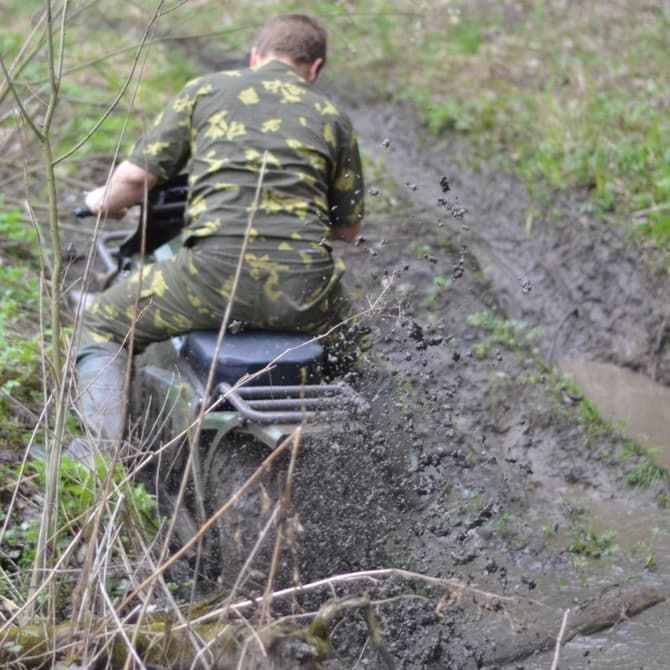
[82, 212]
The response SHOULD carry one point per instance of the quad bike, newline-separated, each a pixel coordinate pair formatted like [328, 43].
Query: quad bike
[265, 385]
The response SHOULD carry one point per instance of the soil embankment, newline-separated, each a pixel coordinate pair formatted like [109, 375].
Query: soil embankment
[583, 280]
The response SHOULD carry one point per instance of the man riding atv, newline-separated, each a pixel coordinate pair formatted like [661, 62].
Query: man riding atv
[220, 128]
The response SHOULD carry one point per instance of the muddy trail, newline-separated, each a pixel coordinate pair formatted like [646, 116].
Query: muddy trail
[583, 280]
[475, 463]
[479, 467]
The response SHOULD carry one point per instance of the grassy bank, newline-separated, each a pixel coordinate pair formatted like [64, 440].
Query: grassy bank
[568, 95]
[20, 390]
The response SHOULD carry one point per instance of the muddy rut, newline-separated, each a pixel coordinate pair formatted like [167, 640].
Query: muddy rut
[468, 469]
[581, 279]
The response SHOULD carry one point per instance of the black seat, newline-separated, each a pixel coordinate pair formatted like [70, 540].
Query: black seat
[299, 360]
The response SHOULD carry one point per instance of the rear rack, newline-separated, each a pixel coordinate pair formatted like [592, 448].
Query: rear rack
[293, 404]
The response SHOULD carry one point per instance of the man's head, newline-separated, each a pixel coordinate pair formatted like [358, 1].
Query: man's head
[296, 39]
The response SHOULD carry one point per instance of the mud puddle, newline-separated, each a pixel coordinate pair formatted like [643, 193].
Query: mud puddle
[636, 537]
[629, 399]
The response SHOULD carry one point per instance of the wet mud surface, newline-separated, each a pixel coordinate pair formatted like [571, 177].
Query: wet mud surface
[478, 468]
[583, 280]
[473, 464]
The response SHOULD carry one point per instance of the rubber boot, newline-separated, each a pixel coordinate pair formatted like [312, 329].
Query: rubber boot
[101, 372]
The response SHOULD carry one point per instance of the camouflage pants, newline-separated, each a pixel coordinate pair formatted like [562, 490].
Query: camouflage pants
[191, 290]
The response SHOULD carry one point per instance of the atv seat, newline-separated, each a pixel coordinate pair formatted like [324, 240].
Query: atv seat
[295, 358]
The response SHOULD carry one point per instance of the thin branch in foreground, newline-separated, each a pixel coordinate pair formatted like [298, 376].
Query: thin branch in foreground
[559, 639]
[373, 576]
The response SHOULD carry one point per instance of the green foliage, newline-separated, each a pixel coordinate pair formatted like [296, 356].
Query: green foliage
[648, 547]
[650, 561]
[471, 116]
[80, 490]
[19, 301]
[466, 38]
[658, 228]
[18, 236]
[507, 332]
[80, 487]
[645, 473]
[17, 546]
[587, 542]
[593, 425]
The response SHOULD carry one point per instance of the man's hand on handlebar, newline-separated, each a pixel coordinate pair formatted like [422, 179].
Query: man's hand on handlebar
[95, 202]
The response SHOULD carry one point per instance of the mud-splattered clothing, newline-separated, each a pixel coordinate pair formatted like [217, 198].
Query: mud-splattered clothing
[219, 128]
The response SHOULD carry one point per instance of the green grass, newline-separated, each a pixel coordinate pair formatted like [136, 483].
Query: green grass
[80, 490]
[510, 333]
[587, 542]
[20, 354]
[96, 70]
[568, 96]
[645, 473]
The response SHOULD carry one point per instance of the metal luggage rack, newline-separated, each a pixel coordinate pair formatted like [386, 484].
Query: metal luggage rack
[323, 403]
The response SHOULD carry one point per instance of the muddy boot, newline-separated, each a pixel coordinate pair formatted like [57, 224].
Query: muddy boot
[101, 373]
[83, 298]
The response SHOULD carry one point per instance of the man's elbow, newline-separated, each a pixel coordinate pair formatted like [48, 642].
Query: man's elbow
[136, 176]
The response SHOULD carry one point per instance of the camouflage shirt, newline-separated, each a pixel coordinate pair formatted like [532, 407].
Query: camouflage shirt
[218, 128]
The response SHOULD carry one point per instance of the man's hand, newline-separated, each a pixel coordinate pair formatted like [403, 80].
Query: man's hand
[95, 201]
[127, 186]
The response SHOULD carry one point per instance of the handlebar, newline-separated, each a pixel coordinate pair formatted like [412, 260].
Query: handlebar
[165, 202]
[82, 212]
[164, 215]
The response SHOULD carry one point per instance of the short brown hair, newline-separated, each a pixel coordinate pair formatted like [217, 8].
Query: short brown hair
[300, 37]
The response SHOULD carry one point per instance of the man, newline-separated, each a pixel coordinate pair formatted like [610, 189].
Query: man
[218, 128]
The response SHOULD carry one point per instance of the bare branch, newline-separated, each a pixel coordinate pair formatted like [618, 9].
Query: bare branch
[559, 639]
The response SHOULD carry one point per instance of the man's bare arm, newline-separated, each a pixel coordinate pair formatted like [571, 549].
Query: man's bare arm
[126, 187]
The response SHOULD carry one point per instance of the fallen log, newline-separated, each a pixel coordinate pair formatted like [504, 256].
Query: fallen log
[611, 606]
[157, 646]
[162, 643]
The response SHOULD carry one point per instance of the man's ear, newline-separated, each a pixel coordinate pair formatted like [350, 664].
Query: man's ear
[314, 69]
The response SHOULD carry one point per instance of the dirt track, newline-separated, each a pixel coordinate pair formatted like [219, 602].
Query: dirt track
[474, 468]
[470, 470]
